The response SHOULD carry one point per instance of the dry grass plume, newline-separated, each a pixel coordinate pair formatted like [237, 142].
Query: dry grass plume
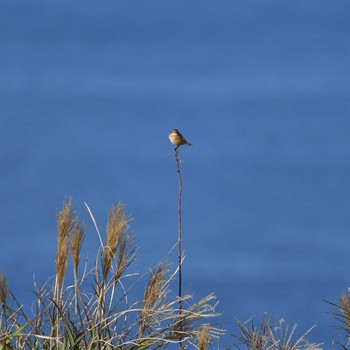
[116, 233]
[65, 224]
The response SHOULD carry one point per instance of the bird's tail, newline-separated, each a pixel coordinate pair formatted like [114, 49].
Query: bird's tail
[189, 144]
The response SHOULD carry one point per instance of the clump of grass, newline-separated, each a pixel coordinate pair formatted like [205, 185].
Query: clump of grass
[268, 336]
[109, 315]
[254, 337]
[343, 316]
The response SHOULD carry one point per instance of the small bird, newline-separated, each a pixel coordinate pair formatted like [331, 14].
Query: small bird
[177, 139]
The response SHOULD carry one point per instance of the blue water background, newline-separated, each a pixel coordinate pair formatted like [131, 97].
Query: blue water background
[88, 94]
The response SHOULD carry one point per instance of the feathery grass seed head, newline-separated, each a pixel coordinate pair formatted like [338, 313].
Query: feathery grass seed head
[125, 257]
[203, 337]
[118, 222]
[345, 308]
[76, 241]
[153, 295]
[65, 223]
[154, 290]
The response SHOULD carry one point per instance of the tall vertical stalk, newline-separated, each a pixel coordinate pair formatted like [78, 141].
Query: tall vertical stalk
[179, 251]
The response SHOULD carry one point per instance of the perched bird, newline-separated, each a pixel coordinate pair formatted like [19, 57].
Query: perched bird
[177, 139]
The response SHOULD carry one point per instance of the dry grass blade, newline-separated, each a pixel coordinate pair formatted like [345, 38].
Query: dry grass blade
[117, 226]
[282, 339]
[196, 312]
[95, 224]
[187, 324]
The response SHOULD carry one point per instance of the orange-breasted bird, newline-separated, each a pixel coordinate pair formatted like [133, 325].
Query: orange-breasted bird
[177, 139]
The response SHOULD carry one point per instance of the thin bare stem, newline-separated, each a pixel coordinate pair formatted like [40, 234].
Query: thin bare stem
[3, 290]
[179, 250]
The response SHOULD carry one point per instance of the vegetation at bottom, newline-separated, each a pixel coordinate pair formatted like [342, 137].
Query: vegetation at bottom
[107, 306]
